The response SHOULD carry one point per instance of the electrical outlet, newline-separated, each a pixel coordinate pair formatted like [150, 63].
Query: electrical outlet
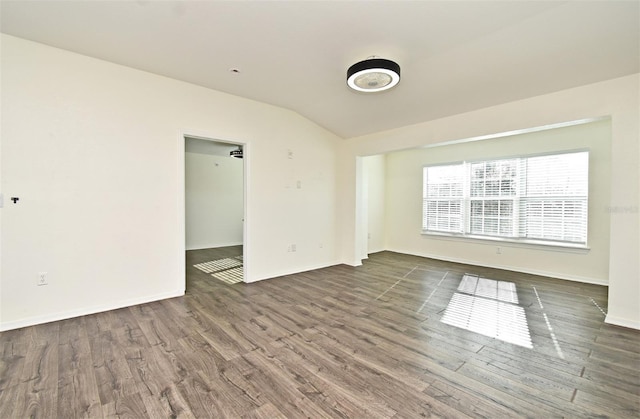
[293, 247]
[499, 250]
[42, 279]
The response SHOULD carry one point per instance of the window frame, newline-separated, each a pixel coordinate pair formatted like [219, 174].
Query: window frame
[516, 198]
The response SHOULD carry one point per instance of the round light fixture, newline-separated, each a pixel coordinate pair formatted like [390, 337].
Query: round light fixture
[373, 75]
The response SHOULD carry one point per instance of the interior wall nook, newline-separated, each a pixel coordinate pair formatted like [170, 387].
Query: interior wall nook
[403, 177]
[616, 99]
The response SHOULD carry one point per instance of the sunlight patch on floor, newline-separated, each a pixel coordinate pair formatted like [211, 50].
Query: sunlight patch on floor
[490, 308]
[228, 270]
[230, 276]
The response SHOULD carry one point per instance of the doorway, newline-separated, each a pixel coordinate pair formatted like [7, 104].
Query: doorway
[214, 208]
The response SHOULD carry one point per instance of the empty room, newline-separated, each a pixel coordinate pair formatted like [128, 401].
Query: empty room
[319, 209]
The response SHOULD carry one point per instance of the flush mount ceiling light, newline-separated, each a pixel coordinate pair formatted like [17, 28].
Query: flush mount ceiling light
[373, 75]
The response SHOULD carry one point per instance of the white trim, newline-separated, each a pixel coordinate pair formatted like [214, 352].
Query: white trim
[181, 240]
[355, 263]
[300, 270]
[63, 315]
[619, 321]
[519, 131]
[505, 242]
[214, 245]
[573, 278]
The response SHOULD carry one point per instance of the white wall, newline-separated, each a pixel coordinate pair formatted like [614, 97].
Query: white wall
[104, 216]
[374, 189]
[404, 205]
[617, 98]
[214, 200]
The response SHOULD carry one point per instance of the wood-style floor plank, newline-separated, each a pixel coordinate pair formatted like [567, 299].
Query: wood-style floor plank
[339, 342]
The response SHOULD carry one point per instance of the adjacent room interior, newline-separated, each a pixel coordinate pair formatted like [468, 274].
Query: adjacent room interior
[214, 207]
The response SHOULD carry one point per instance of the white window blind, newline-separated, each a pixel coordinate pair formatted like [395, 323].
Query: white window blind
[492, 197]
[554, 200]
[541, 198]
[443, 198]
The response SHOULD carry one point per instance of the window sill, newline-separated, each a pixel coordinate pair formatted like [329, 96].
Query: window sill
[526, 244]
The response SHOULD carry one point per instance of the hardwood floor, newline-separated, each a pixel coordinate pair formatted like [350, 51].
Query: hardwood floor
[389, 339]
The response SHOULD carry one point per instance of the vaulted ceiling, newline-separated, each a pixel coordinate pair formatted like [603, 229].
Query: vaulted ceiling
[456, 56]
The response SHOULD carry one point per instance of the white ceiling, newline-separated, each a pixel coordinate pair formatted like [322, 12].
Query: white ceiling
[456, 56]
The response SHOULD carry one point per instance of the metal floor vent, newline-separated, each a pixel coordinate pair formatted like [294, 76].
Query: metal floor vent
[228, 270]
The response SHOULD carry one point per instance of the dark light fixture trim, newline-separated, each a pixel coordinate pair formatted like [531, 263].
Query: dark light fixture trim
[373, 75]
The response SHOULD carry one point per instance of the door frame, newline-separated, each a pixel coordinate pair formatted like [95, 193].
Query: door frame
[181, 201]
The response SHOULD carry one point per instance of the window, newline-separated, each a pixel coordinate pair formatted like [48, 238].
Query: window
[538, 198]
[443, 208]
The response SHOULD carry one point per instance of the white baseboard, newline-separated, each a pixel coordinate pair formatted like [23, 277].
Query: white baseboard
[297, 270]
[213, 246]
[355, 262]
[574, 278]
[619, 321]
[32, 321]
